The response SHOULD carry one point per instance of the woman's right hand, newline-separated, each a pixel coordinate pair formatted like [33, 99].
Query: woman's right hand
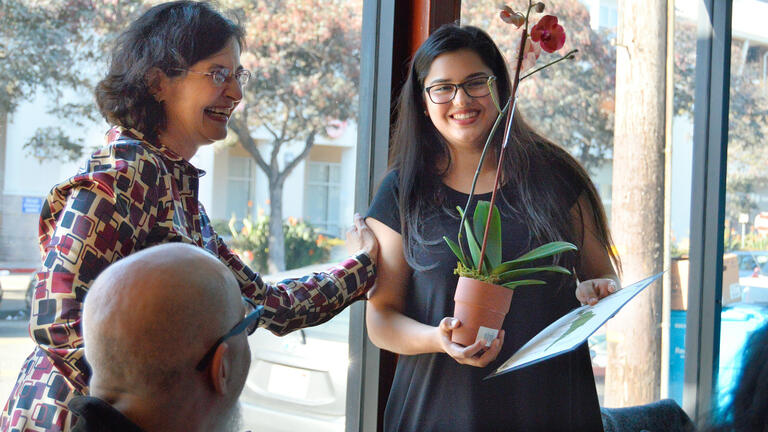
[472, 355]
[361, 238]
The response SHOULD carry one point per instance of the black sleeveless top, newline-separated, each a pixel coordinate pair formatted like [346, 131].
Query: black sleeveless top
[432, 392]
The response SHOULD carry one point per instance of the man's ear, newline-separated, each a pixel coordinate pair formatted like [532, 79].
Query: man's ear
[220, 368]
[156, 81]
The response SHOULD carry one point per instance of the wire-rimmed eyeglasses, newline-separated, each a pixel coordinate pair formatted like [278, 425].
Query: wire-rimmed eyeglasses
[474, 88]
[220, 76]
[249, 323]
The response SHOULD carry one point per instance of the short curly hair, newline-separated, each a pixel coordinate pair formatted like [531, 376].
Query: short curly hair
[169, 36]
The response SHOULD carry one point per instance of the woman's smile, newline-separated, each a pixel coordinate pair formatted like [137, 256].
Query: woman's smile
[465, 117]
[219, 114]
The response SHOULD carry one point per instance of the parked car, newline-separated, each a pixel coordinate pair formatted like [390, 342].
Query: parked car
[29, 295]
[298, 382]
[751, 260]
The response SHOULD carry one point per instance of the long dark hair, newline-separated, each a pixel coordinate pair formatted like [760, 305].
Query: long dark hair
[171, 37]
[417, 147]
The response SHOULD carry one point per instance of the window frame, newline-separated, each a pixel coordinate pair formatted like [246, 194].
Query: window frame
[380, 71]
[710, 148]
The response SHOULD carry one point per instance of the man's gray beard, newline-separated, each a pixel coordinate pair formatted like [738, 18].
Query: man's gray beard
[231, 420]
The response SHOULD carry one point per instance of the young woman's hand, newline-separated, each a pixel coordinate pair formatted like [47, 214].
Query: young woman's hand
[473, 355]
[590, 291]
[361, 238]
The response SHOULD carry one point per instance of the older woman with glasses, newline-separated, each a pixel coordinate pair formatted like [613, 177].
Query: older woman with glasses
[174, 80]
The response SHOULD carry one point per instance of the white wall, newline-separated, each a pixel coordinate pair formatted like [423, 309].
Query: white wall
[25, 175]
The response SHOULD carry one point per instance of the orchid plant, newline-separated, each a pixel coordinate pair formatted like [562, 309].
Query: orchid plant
[484, 261]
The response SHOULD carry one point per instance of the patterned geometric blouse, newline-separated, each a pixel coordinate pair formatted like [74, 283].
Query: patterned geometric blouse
[132, 195]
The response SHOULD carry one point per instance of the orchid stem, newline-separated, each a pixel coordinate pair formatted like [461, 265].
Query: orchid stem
[479, 167]
[567, 56]
[508, 130]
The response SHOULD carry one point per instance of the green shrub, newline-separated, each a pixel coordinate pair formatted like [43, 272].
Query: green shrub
[303, 244]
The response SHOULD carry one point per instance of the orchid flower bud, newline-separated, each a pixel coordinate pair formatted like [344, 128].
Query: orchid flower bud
[510, 17]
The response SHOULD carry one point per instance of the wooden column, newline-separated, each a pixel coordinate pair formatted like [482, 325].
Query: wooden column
[415, 20]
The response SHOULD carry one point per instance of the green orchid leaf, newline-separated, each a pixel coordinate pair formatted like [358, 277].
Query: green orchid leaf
[474, 248]
[493, 245]
[456, 250]
[514, 274]
[540, 252]
[547, 250]
[515, 284]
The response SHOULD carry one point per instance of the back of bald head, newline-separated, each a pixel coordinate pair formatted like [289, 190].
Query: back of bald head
[149, 318]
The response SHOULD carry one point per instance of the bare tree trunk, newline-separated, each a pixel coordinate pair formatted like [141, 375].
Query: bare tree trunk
[276, 260]
[637, 209]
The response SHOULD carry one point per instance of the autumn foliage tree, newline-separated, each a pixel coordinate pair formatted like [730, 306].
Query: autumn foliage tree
[747, 115]
[571, 104]
[53, 47]
[305, 58]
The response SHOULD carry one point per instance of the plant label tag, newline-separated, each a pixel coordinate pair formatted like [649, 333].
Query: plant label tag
[486, 334]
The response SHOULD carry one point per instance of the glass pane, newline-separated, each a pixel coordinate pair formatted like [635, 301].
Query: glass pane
[238, 167]
[298, 382]
[745, 274]
[334, 207]
[318, 172]
[238, 195]
[577, 99]
[334, 174]
[317, 205]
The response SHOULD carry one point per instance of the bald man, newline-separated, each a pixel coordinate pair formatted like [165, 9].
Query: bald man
[152, 329]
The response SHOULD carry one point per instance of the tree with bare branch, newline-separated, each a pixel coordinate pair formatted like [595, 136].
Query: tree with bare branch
[305, 61]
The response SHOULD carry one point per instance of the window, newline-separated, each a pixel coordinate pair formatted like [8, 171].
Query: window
[297, 382]
[584, 125]
[745, 279]
[240, 186]
[323, 197]
[608, 17]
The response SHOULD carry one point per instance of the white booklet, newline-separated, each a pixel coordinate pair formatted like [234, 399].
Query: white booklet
[572, 329]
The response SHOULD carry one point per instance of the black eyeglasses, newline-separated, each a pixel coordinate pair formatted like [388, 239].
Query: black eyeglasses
[220, 76]
[249, 324]
[474, 88]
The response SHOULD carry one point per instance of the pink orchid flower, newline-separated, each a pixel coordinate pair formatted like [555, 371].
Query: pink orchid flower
[531, 53]
[549, 34]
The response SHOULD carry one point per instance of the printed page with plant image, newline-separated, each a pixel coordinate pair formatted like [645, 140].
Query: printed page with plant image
[570, 331]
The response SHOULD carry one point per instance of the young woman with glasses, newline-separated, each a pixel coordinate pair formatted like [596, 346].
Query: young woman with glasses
[444, 115]
[174, 80]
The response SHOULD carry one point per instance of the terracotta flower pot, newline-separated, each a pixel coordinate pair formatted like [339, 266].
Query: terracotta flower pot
[479, 304]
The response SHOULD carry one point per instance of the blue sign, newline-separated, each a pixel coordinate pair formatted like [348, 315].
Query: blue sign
[31, 205]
